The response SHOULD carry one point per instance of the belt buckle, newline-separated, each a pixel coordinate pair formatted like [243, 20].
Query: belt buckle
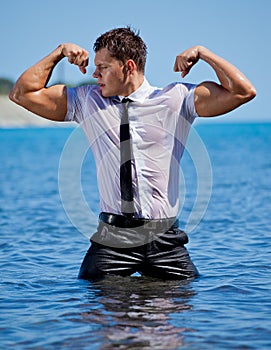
[150, 225]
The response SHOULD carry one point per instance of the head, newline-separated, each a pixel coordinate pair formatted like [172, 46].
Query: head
[123, 44]
[120, 58]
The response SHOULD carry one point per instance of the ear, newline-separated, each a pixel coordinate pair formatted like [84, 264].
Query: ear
[131, 66]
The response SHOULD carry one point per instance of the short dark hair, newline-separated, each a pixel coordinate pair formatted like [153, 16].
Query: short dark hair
[123, 44]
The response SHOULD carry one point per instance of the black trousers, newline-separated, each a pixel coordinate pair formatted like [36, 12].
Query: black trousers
[163, 257]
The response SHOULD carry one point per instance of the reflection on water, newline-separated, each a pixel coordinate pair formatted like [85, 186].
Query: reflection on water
[136, 312]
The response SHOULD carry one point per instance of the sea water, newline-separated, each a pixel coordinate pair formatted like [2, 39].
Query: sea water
[45, 306]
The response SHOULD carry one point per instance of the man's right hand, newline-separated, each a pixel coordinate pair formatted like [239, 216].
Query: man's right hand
[76, 55]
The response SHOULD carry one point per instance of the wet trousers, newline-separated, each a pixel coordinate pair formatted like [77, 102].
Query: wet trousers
[163, 256]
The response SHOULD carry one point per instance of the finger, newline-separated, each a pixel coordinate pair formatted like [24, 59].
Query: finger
[71, 58]
[81, 61]
[183, 67]
[179, 64]
[83, 66]
[185, 72]
[176, 68]
[77, 56]
[83, 70]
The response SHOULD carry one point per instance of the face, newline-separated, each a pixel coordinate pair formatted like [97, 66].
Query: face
[110, 74]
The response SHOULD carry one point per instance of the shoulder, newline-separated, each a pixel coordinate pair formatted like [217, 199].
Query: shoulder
[183, 87]
[89, 95]
[176, 86]
[183, 95]
[174, 89]
[83, 90]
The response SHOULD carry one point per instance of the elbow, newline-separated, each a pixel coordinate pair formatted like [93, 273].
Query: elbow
[252, 93]
[15, 96]
[12, 95]
[246, 96]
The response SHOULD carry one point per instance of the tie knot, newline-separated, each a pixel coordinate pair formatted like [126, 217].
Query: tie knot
[126, 99]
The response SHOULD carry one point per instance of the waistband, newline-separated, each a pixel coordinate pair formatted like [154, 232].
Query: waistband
[149, 224]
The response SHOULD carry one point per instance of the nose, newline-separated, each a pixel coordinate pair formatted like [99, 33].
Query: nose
[96, 74]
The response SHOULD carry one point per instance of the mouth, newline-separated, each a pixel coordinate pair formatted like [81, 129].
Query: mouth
[101, 88]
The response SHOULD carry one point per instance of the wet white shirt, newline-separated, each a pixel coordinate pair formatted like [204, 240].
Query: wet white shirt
[160, 120]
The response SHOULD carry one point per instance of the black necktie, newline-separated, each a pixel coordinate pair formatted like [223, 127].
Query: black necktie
[126, 187]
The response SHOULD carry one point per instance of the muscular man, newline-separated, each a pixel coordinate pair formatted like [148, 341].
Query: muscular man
[138, 229]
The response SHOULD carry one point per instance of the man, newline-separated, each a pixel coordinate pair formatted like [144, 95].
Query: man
[137, 134]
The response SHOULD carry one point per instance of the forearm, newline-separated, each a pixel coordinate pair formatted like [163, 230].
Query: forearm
[229, 76]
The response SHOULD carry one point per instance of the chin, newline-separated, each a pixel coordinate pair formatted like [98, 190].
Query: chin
[104, 94]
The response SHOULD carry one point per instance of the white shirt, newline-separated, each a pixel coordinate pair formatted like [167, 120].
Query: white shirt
[160, 120]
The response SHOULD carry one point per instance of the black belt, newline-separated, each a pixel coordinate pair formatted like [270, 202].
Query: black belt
[126, 222]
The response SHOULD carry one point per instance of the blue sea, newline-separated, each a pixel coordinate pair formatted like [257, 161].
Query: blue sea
[45, 306]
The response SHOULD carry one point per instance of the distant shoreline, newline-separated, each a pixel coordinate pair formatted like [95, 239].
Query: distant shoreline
[14, 116]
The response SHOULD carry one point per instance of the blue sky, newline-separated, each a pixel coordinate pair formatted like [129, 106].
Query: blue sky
[238, 30]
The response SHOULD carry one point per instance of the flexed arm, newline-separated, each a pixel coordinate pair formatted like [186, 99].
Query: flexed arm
[212, 99]
[30, 89]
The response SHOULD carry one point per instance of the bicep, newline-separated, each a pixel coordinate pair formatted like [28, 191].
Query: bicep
[49, 103]
[211, 100]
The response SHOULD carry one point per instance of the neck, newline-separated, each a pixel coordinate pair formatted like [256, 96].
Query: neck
[134, 84]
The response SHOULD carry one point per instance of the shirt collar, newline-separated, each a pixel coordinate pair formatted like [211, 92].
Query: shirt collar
[141, 93]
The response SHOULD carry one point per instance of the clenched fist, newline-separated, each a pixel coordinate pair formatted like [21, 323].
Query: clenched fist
[76, 55]
[186, 60]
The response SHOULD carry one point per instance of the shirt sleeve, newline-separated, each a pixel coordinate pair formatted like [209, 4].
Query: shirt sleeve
[188, 109]
[74, 105]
